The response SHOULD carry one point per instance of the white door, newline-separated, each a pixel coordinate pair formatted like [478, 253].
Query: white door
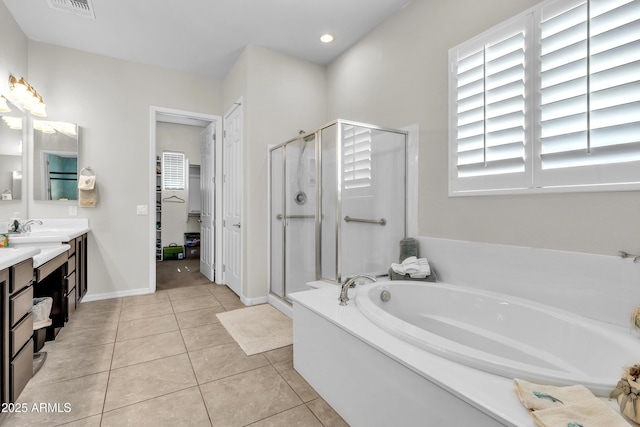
[232, 204]
[207, 197]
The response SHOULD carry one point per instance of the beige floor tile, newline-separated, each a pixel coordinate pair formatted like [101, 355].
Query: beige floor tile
[232, 303]
[70, 338]
[130, 329]
[281, 354]
[205, 336]
[193, 318]
[148, 380]
[326, 414]
[143, 349]
[188, 304]
[93, 421]
[248, 397]
[105, 320]
[221, 361]
[145, 311]
[220, 290]
[300, 416]
[102, 305]
[76, 399]
[183, 408]
[68, 364]
[189, 292]
[154, 298]
[295, 380]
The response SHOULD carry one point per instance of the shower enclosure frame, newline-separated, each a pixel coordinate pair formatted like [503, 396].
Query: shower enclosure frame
[318, 195]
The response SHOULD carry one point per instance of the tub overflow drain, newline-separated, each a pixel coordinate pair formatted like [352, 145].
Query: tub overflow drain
[385, 296]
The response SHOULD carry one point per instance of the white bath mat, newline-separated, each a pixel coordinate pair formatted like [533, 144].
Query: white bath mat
[259, 328]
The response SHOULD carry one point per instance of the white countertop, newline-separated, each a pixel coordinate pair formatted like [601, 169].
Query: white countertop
[12, 256]
[52, 232]
[49, 253]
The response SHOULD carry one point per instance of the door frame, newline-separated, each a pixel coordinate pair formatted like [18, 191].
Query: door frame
[180, 116]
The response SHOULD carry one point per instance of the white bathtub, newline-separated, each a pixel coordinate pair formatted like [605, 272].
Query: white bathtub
[507, 336]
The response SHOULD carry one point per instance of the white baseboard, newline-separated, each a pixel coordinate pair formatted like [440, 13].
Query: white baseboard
[253, 301]
[120, 294]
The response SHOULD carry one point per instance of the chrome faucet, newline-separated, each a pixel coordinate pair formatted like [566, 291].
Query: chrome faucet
[351, 283]
[26, 227]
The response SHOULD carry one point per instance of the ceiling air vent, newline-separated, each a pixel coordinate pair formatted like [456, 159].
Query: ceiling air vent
[77, 7]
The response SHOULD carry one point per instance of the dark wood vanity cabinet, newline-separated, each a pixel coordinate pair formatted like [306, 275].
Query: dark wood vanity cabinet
[76, 279]
[17, 329]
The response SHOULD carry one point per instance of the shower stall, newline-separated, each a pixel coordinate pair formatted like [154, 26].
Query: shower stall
[337, 204]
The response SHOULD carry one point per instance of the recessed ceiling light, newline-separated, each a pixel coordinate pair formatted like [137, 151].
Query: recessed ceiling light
[326, 38]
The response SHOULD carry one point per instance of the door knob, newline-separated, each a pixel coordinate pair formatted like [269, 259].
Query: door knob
[236, 225]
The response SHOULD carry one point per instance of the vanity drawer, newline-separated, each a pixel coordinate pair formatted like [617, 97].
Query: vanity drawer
[71, 303]
[21, 275]
[20, 304]
[50, 266]
[21, 334]
[21, 371]
[71, 264]
[70, 282]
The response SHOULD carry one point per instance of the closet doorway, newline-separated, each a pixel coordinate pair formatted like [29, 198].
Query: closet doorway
[184, 157]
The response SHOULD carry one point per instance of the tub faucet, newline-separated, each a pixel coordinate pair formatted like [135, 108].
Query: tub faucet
[26, 227]
[351, 283]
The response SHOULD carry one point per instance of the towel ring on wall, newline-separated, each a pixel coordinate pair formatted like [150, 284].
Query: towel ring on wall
[87, 171]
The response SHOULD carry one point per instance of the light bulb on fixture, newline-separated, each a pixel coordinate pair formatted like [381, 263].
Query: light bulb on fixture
[24, 94]
[4, 107]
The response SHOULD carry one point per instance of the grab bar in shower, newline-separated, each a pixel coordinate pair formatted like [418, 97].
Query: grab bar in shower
[380, 221]
[280, 217]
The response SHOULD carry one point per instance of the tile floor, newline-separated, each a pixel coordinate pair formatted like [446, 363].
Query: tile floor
[165, 360]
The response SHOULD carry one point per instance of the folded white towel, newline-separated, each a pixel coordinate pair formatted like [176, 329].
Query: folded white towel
[424, 269]
[415, 267]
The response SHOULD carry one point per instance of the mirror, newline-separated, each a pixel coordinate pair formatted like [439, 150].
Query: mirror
[55, 160]
[11, 145]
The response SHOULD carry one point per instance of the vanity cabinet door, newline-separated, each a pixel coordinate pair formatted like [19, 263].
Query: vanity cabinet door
[21, 371]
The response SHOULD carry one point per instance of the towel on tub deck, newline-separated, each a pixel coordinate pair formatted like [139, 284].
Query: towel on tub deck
[570, 406]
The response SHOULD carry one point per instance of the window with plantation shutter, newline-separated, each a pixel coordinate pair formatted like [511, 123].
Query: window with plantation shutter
[590, 93]
[549, 101]
[490, 113]
[356, 156]
[173, 177]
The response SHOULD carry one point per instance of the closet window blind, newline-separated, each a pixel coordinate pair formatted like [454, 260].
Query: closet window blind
[173, 171]
[548, 101]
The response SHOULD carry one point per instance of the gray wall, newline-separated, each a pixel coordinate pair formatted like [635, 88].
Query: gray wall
[397, 76]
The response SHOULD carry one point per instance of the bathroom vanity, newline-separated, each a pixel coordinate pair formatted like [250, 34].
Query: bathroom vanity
[16, 294]
[49, 261]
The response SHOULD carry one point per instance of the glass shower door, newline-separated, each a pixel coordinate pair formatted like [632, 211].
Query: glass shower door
[276, 187]
[372, 219]
[300, 210]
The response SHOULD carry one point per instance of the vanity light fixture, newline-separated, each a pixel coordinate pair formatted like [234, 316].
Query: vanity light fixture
[326, 38]
[23, 93]
[13, 122]
[4, 107]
